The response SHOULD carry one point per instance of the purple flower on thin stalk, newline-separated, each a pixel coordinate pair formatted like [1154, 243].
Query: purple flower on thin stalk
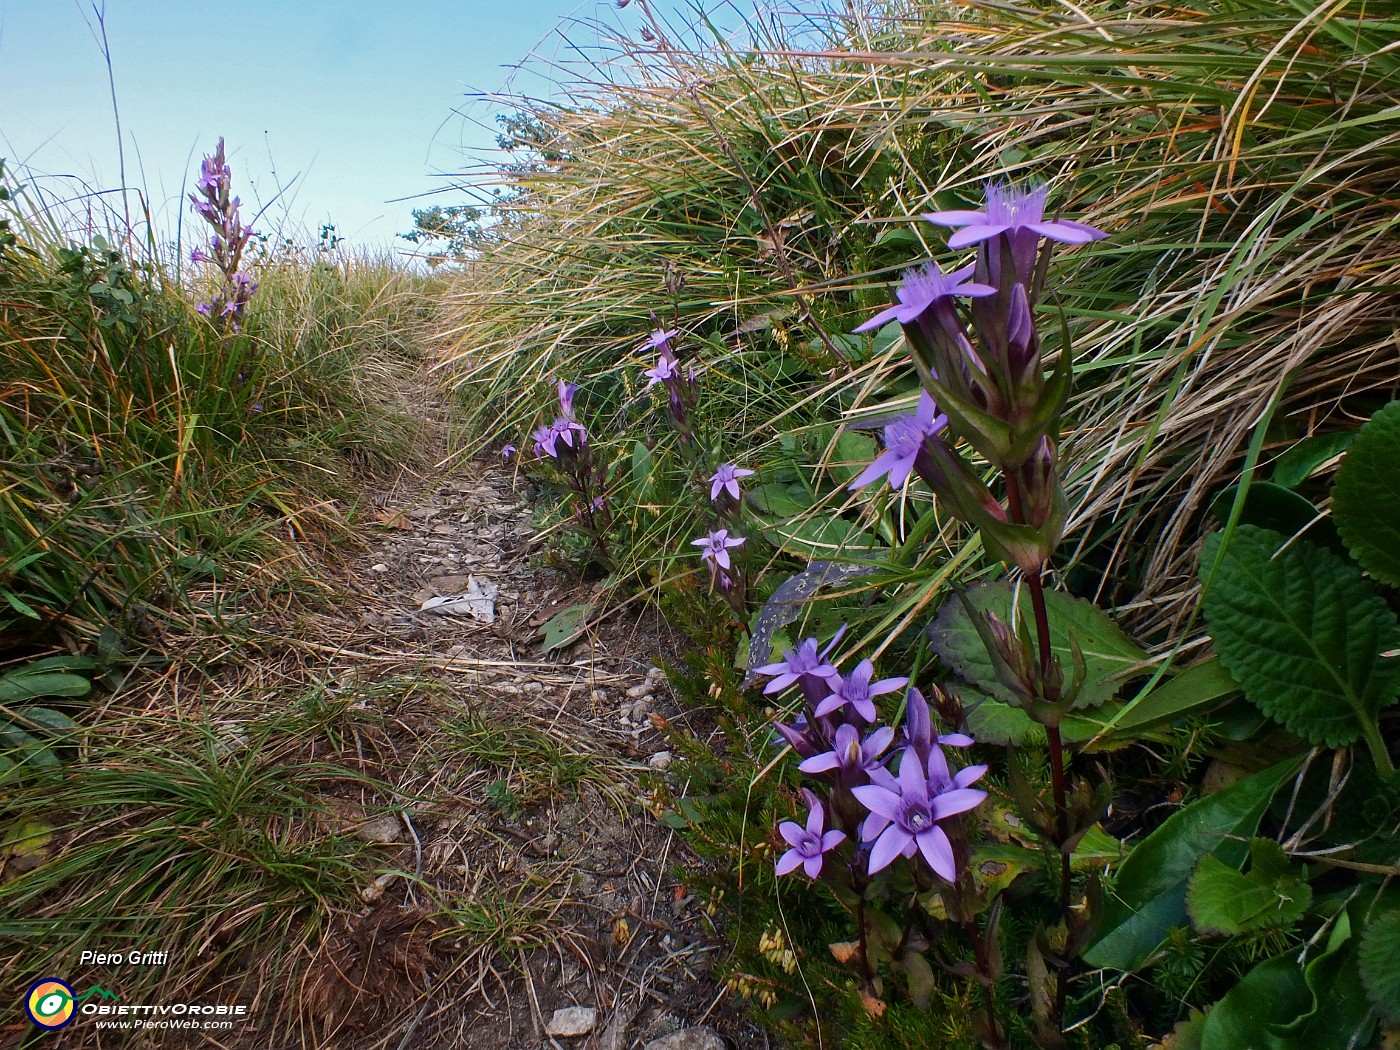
[904, 816]
[660, 339]
[849, 753]
[856, 689]
[804, 662]
[923, 287]
[715, 547]
[548, 439]
[810, 844]
[904, 438]
[666, 369]
[727, 478]
[1010, 209]
[566, 399]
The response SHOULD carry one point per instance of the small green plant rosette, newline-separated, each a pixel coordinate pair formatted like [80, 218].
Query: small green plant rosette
[1366, 496]
[1305, 635]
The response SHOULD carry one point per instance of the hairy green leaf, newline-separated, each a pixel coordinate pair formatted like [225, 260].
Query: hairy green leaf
[1303, 634]
[1366, 497]
[565, 626]
[1222, 900]
[1380, 963]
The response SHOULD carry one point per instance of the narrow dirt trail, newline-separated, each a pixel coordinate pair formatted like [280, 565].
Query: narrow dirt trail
[532, 876]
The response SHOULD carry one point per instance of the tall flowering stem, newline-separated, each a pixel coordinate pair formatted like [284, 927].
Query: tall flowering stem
[214, 203]
[564, 443]
[986, 382]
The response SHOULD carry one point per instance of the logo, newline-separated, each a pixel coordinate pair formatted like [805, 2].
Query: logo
[49, 1003]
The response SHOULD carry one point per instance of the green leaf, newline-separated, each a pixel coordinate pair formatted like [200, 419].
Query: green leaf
[1278, 1006]
[31, 681]
[641, 468]
[1277, 508]
[1224, 901]
[1148, 896]
[46, 718]
[1303, 634]
[781, 500]
[1380, 963]
[820, 537]
[1201, 687]
[565, 627]
[1109, 654]
[995, 722]
[922, 983]
[1366, 497]
[1297, 464]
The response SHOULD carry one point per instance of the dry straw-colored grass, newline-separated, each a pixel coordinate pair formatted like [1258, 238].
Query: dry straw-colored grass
[1245, 157]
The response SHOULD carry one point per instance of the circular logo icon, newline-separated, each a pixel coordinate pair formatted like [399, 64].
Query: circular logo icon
[49, 1003]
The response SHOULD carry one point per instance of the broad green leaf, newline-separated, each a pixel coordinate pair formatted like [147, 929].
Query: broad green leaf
[1200, 688]
[565, 626]
[854, 452]
[1278, 1006]
[1380, 963]
[46, 718]
[1366, 496]
[641, 469]
[781, 500]
[1148, 896]
[1303, 634]
[821, 537]
[28, 683]
[1297, 464]
[1222, 900]
[1109, 654]
[1274, 507]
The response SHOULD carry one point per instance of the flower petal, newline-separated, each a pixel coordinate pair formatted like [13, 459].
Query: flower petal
[832, 839]
[881, 319]
[1066, 232]
[880, 801]
[938, 851]
[959, 800]
[813, 865]
[819, 763]
[789, 861]
[889, 845]
[955, 217]
[975, 235]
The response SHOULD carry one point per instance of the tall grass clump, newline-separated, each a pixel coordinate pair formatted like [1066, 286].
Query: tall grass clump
[181, 440]
[750, 204]
[1242, 157]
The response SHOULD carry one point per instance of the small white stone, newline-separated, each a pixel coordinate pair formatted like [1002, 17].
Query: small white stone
[655, 675]
[380, 567]
[660, 761]
[639, 691]
[572, 1021]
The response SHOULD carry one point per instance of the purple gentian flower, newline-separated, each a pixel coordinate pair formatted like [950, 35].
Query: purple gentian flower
[203, 309]
[547, 438]
[659, 339]
[904, 817]
[715, 547]
[805, 737]
[727, 477]
[667, 368]
[904, 437]
[856, 689]
[197, 256]
[508, 451]
[810, 844]
[803, 662]
[922, 288]
[850, 753]
[1011, 208]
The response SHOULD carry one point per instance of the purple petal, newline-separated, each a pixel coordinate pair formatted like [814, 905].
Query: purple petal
[789, 861]
[913, 781]
[813, 866]
[968, 775]
[778, 684]
[722, 557]
[938, 851]
[890, 844]
[832, 703]
[832, 839]
[880, 801]
[888, 685]
[881, 319]
[816, 819]
[872, 825]
[884, 462]
[1066, 232]
[956, 218]
[819, 763]
[975, 235]
[865, 708]
[959, 800]
[955, 739]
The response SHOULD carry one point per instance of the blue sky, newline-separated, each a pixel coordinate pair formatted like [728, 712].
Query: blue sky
[350, 102]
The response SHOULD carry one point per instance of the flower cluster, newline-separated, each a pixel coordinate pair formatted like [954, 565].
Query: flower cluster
[889, 793]
[212, 202]
[993, 393]
[678, 381]
[565, 443]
